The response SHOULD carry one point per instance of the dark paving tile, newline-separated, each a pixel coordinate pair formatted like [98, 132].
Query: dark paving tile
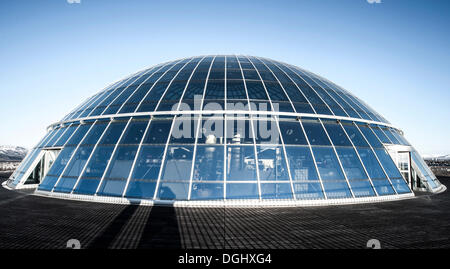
[29, 221]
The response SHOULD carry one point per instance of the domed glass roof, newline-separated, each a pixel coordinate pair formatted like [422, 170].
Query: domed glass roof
[225, 80]
[224, 129]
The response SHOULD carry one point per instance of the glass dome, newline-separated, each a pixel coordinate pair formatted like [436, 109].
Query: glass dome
[224, 128]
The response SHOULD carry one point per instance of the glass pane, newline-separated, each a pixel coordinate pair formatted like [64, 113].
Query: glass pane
[236, 90]
[266, 131]
[94, 170]
[239, 131]
[301, 164]
[184, 130]
[215, 90]
[158, 132]
[134, 132]
[332, 176]
[370, 136]
[48, 183]
[211, 131]
[256, 90]
[177, 166]
[98, 162]
[66, 184]
[315, 132]
[63, 139]
[242, 191]
[355, 135]
[276, 191]
[336, 189]
[381, 135]
[400, 138]
[370, 162]
[388, 164]
[207, 191]
[400, 185]
[272, 164]
[56, 135]
[352, 166]
[118, 171]
[148, 163]
[308, 191]
[383, 187]
[208, 163]
[362, 188]
[61, 161]
[56, 169]
[173, 191]
[328, 164]
[292, 133]
[141, 188]
[94, 134]
[120, 165]
[79, 134]
[391, 137]
[241, 163]
[113, 133]
[78, 161]
[337, 134]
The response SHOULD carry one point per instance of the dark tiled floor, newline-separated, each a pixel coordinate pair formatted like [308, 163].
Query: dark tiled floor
[28, 221]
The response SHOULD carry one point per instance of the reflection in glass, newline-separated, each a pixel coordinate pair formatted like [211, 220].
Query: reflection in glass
[208, 163]
[332, 176]
[272, 164]
[207, 191]
[241, 163]
[177, 166]
[315, 132]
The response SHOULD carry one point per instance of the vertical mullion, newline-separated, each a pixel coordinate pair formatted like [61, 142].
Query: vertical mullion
[120, 94]
[252, 129]
[189, 81]
[339, 159]
[345, 92]
[106, 97]
[314, 160]
[312, 88]
[66, 129]
[332, 89]
[158, 182]
[375, 154]
[112, 156]
[90, 156]
[196, 131]
[194, 156]
[279, 131]
[359, 157]
[170, 83]
[73, 153]
[142, 83]
[156, 82]
[326, 92]
[136, 157]
[298, 88]
[251, 117]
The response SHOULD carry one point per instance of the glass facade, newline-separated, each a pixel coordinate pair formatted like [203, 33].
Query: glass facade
[223, 127]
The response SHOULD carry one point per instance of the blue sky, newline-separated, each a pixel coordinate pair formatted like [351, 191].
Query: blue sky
[393, 55]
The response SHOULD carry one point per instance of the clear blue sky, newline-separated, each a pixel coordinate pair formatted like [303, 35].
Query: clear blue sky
[394, 55]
